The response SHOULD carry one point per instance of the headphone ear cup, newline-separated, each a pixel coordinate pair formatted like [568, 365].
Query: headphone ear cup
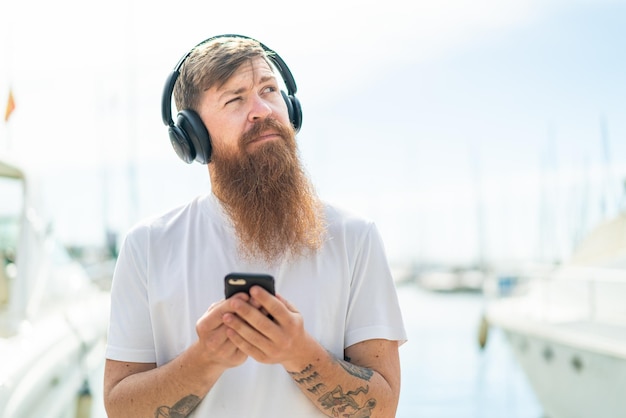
[294, 109]
[181, 144]
[198, 137]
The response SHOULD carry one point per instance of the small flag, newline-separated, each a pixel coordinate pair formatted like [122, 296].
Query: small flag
[10, 106]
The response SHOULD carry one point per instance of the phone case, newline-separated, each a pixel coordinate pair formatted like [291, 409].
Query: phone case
[242, 282]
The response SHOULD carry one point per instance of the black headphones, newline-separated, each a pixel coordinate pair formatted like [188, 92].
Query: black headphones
[189, 136]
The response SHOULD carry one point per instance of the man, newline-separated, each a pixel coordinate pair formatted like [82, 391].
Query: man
[325, 345]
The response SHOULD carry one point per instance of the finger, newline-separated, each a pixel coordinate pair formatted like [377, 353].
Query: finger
[245, 339]
[220, 349]
[288, 304]
[261, 298]
[251, 323]
[240, 295]
[253, 316]
[255, 327]
[212, 318]
[225, 305]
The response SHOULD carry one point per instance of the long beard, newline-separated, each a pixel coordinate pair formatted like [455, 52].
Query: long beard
[268, 196]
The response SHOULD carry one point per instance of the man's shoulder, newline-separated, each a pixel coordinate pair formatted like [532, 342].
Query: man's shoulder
[173, 217]
[338, 216]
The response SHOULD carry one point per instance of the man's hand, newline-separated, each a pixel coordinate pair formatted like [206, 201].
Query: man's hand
[212, 334]
[269, 341]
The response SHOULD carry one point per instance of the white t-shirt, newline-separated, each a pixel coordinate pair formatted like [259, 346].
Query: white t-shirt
[171, 269]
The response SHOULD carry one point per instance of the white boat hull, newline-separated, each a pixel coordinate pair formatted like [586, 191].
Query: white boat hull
[571, 382]
[53, 318]
[568, 331]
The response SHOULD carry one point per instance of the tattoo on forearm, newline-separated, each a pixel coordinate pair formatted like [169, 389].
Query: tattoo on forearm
[345, 405]
[340, 404]
[360, 372]
[317, 389]
[310, 379]
[180, 409]
[307, 379]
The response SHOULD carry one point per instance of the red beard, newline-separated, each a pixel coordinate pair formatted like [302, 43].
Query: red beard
[268, 196]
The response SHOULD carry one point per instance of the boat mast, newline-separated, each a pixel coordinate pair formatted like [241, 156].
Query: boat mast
[607, 203]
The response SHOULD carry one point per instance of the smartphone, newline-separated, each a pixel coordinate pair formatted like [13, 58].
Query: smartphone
[242, 282]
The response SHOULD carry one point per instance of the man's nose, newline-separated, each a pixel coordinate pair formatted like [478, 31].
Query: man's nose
[260, 109]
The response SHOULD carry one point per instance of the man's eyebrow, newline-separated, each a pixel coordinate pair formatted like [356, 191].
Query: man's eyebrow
[231, 92]
[266, 78]
[262, 80]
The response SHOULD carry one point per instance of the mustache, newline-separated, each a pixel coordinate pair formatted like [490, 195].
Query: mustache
[258, 128]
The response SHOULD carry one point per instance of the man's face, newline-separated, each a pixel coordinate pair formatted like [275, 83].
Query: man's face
[249, 96]
[255, 169]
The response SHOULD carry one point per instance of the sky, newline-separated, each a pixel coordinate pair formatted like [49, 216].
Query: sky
[466, 130]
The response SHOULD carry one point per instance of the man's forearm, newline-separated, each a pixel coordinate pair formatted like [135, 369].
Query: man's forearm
[174, 389]
[340, 388]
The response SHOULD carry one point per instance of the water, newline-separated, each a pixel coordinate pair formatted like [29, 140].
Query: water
[445, 373]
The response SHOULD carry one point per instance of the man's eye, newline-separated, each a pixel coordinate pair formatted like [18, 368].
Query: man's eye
[234, 99]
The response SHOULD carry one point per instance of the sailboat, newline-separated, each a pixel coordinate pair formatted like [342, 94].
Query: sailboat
[568, 328]
[53, 318]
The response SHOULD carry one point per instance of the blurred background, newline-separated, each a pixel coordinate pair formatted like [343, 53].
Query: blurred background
[469, 131]
[476, 134]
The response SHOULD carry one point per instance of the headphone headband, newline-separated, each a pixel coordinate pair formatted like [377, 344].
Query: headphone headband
[283, 70]
[188, 135]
